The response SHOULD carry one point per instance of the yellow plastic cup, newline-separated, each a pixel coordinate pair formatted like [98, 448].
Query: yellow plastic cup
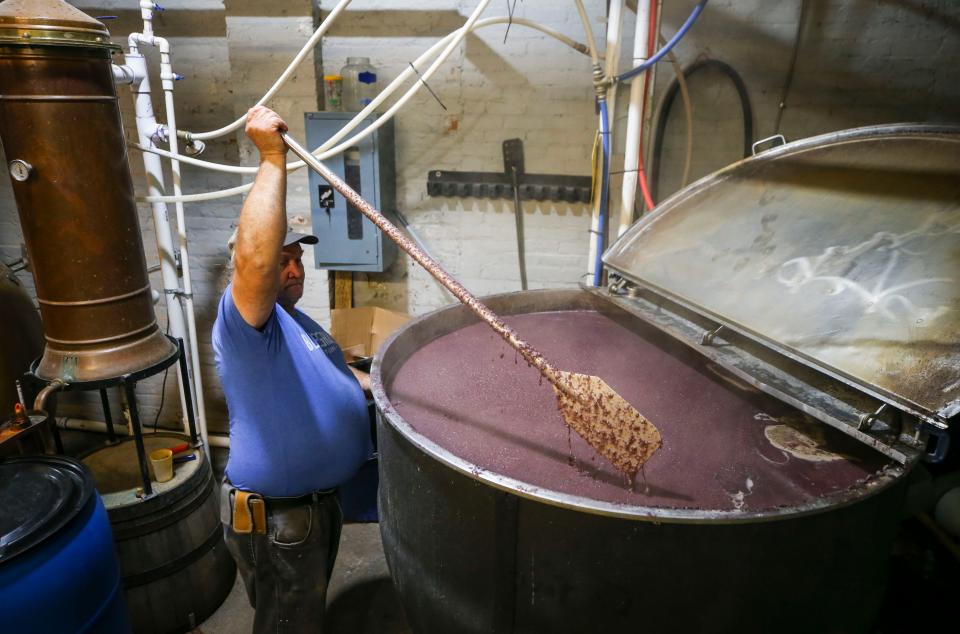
[162, 462]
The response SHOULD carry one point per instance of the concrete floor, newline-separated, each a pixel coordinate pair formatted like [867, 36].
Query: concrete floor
[361, 599]
[924, 577]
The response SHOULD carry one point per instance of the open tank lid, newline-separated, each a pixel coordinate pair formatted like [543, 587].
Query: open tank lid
[50, 22]
[841, 251]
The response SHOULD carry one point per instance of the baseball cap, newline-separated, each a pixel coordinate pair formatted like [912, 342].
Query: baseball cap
[293, 237]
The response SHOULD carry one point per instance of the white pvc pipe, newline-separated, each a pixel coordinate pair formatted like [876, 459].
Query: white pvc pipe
[614, 27]
[167, 78]
[146, 14]
[284, 77]
[323, 151]
[123, 74]
[631, 157]
[99, 427]
[146, 128]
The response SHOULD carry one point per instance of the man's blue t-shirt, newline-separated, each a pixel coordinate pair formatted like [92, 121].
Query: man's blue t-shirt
[298, 417]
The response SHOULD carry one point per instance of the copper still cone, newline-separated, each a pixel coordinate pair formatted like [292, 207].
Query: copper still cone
[63, 139]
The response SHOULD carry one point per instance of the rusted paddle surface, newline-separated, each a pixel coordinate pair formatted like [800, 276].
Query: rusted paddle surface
[613, 427]
[607, 422]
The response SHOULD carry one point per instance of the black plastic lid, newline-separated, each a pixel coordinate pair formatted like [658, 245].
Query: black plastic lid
[39, 495]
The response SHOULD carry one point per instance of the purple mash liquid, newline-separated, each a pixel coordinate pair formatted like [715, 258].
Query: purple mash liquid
[465, 392]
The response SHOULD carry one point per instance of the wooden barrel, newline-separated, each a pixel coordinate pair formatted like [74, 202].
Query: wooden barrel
[176, 568]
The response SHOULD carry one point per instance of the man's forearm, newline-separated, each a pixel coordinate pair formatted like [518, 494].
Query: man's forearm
[362, 378]
[263, 224]
[263, 219]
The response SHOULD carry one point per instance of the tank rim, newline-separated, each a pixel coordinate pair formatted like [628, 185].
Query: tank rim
[857, 492]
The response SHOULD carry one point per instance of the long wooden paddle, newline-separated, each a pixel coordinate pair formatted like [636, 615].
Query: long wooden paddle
[613, 427]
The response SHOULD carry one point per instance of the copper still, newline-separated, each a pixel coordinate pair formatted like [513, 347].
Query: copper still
[63, 139]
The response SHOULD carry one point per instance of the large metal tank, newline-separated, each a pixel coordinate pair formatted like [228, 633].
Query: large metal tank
[63, 139]
[775, 499]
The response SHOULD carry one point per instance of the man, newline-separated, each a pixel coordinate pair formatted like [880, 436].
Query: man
[298, 416]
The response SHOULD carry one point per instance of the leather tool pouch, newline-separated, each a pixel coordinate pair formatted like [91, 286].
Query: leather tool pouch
[249, 513]
[242, 518]
[259, 511]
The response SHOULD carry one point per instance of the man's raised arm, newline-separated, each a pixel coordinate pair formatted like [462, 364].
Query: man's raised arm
[263, 222]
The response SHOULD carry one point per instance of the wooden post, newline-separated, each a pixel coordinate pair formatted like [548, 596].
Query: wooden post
[342, 289]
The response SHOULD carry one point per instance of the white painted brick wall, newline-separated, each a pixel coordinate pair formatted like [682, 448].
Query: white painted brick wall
[530, 87]
[860, 64]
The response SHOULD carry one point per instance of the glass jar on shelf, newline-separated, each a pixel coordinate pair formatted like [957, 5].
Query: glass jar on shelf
[333, 93]
[359, 83]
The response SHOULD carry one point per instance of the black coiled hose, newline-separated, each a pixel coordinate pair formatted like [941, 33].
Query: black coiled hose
[670, 96]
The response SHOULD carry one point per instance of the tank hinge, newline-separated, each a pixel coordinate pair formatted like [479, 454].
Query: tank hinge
[707, 338]
[867, 420]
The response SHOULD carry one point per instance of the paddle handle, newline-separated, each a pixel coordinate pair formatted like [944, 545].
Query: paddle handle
[532, 356]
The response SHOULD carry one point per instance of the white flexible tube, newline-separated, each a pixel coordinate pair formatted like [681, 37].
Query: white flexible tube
[284, 77]
[322, 151]
[588, 32]
[454, 40]
[167, 77]
[631, 157]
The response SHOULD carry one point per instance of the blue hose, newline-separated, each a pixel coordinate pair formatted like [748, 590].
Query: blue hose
[604, 192]
[633, 72]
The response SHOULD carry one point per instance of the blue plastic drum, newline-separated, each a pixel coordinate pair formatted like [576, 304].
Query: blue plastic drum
[58, 566]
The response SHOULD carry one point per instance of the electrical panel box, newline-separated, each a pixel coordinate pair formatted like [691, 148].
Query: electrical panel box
[348, 240]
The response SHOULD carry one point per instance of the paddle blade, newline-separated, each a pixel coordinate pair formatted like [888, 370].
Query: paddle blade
[611, 425]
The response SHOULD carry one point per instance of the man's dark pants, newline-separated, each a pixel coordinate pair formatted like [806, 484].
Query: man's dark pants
[286, 571]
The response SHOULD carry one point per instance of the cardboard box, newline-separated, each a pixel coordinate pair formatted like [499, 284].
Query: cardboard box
[361, 331]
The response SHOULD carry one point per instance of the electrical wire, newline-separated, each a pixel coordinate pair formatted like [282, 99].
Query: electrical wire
[454, 41]
[588, 32]
[688, 115]
[791, 69]
[282, 79]
[667, 103]
[324, 150]
[684, 28]
[604, 193]
[163, 388]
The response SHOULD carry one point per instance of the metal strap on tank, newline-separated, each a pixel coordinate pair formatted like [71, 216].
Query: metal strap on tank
[57, 98]
[79, 342]
[50, 35]
[99, 300]
[175, 565]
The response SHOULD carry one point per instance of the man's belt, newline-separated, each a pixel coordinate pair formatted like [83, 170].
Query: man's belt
[249, 509]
